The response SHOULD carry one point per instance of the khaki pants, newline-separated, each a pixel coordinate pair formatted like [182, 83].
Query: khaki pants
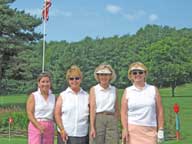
[106, 130]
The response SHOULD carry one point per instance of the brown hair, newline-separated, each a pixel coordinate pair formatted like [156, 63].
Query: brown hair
[43, 74]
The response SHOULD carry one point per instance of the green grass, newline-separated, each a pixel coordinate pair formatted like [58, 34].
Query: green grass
[15, 140]
[183, 98]
[13, 99]
[184, 115]
[184, 90]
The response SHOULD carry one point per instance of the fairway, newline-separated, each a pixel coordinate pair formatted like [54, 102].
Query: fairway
[13, 99]
[18, 140]
[183, 98]
[13, 140]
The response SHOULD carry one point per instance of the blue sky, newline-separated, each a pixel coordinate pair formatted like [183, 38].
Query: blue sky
[73, 20]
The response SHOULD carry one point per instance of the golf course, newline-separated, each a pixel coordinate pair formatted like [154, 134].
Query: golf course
[14, 106]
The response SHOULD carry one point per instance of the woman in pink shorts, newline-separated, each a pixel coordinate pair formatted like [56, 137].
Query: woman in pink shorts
[141, 109]
[40, 108]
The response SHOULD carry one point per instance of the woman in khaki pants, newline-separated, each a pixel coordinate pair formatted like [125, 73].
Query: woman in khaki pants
[104, 107]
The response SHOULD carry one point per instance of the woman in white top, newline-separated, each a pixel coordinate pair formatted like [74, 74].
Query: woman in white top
[104, 107]
[72, 110]
[40, 107]
[141, 109]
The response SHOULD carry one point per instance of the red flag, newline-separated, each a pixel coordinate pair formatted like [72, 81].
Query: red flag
[176, 108]
[10, 120]
[45, 11]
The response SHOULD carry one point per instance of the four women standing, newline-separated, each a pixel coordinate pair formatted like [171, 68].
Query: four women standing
[141, 110]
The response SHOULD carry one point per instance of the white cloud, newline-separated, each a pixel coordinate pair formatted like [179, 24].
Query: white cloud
[113, 8]
[153, 17]
[135, 15]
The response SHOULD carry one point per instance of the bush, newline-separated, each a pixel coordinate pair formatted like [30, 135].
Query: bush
[20, 121]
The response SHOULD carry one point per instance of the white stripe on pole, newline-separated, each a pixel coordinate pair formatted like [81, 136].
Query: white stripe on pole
[44, 28]
[43, 64]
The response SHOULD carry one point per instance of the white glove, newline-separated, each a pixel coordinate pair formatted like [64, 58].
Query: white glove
[160, 135]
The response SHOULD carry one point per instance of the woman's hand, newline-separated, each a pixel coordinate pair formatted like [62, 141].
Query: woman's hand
[124, 136]
[64, 135]
[92, 133]
[41, 128]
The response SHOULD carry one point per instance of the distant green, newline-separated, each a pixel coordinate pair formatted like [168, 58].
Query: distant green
[13, 99]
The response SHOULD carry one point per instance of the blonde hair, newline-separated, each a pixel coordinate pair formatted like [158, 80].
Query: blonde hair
[74, 71]
[104, 66]
[137, 64]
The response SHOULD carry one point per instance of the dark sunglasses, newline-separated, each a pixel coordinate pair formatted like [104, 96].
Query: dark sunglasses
[137, 72]
[74, 78]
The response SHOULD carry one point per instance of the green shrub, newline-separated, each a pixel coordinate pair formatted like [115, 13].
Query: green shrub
[20, 121]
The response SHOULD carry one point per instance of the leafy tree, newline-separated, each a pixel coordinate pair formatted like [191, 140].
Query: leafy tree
[17, 33]
[169, 60]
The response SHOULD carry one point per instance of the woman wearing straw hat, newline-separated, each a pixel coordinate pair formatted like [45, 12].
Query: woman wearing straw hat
[141, 109]
[104, 107]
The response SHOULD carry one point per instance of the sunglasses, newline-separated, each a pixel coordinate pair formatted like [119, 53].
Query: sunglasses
[74, 78]
[137, 72]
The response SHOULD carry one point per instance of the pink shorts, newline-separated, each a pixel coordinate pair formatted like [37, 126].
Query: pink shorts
[35, 137]
[142, 134]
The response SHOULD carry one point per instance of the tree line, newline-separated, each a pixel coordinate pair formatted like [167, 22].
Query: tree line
[166, 51]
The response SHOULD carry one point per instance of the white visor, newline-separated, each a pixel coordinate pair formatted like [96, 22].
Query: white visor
[103, 71]
[137, 68]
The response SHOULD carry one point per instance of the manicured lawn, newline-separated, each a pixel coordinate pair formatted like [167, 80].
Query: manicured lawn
[12, 99]
[181, 91]
[16, 140]
[183, 98]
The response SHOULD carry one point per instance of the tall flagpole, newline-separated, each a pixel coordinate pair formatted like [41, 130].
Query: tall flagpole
[47, 4]
[44, 30]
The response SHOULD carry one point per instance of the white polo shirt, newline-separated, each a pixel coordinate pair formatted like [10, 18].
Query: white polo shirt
[75, 112]
[44, 108]
[142, 105]
[105, 98]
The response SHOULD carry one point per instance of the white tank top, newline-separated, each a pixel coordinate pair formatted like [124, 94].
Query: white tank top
[142, 105]
[75, 112]
[44, 109]
[105, 98]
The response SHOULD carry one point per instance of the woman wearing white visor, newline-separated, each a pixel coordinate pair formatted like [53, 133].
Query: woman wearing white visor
[141, 109]
[104, 107]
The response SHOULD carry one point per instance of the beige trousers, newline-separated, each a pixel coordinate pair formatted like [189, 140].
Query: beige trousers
[106, 130]
[142, 134]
